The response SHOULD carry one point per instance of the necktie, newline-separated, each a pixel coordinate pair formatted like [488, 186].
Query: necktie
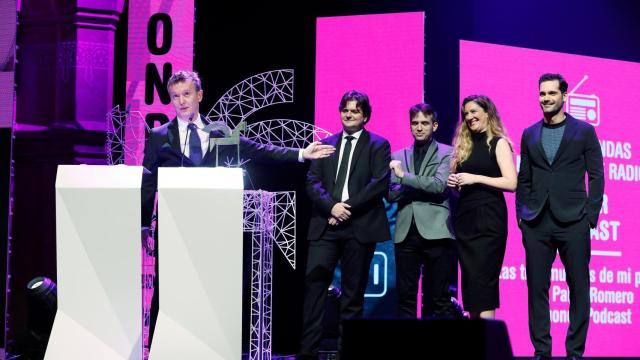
[342, 170]
[195, 147]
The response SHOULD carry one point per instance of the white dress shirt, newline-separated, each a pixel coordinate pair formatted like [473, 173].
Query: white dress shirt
[184, 141]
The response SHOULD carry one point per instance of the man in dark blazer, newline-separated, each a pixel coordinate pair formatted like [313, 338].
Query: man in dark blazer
[182, 142]
[555, 212]
[423, 236]
[348, 218]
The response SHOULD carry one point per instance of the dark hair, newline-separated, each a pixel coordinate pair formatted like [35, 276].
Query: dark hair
[361, 99]
[425, 109]
[183, 76]
[551, 77]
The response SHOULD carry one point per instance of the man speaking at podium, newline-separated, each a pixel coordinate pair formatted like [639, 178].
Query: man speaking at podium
[184, 142]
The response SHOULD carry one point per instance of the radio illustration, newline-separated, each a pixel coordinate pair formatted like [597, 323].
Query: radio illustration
[583, 107]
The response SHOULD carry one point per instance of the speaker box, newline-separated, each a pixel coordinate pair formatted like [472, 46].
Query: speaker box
[425, 339]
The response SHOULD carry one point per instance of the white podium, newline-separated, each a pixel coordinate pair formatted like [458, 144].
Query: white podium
[98, 261]
[200, 264]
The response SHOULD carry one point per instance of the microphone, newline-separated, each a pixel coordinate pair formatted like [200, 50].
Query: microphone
[186, 138]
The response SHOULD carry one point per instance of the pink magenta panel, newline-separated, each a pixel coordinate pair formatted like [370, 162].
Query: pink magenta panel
[381, 55]
[179, 56]
[605, 97]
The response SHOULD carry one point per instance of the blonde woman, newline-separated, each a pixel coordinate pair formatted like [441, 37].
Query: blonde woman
[482, 169]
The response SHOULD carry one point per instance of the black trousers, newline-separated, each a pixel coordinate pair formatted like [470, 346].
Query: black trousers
[433, 257]
[355, 259]
[542, 238]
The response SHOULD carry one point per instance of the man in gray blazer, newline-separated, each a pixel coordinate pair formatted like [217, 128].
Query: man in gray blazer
[424, 236]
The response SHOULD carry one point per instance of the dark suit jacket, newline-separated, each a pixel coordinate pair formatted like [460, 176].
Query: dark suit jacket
[162, 149]
[368, 184]
[562, 183]
[422, 193]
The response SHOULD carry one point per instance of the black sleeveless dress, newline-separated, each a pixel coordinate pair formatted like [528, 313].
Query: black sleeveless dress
[481, 229]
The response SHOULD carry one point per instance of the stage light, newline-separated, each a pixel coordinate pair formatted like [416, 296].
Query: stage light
[42, 303]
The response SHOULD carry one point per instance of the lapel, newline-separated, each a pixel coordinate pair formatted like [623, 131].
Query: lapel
[537, 132]
[428, 156]
[210, 151]
[363, 142]
[173, 136]
[568, 135]
[408, 159]
[336, 141]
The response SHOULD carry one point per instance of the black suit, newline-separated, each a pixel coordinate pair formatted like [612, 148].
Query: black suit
[162, 149]
[352, 242]
[556, 213]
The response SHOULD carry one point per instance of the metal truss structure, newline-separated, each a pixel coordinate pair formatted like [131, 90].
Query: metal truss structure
[269, 217]
[120, 123]
[285, 132]
[275, 212]
[253, 94]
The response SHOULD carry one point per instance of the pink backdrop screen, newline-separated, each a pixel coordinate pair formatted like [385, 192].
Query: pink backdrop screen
[171, 26]
[381, 55]
[601, 92]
